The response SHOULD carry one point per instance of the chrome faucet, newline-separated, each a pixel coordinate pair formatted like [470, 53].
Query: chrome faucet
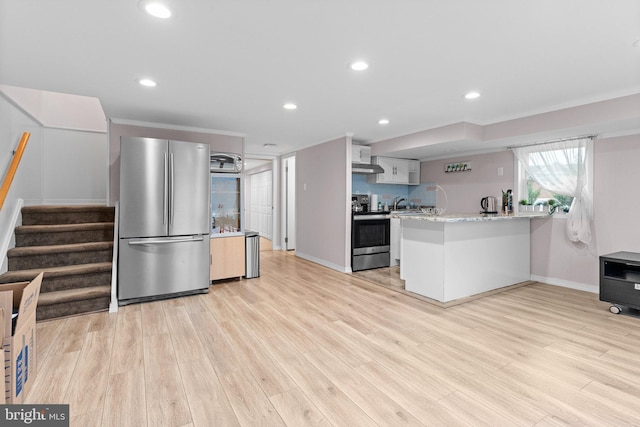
[396, 201]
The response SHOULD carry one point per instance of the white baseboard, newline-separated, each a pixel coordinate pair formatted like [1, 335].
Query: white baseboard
[330, 265]
[566, 284]
[9, 238]
[99, 202]
[113, 305]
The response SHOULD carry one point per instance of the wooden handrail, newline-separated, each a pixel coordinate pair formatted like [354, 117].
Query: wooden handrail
[13, 167]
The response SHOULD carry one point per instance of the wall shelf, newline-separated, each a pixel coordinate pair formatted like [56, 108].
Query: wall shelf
[457, 167]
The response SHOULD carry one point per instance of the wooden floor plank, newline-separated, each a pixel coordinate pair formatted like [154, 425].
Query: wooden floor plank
[125, 404]
[304, 345]
[153, 320]
[250, 404]
[383, 409]
[296, 409]
[53, 378]
[88, 386]
[184, 335]
[207, 400]
[128, 352]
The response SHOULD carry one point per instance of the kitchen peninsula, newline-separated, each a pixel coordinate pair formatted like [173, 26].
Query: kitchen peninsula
[450, 257]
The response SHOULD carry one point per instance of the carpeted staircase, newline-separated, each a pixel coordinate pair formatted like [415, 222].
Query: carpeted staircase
[73, 245]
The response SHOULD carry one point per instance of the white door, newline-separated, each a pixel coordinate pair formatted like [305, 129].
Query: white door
[261, 210]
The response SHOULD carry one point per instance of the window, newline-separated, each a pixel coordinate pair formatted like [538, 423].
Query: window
[536, 192]
[560, 174]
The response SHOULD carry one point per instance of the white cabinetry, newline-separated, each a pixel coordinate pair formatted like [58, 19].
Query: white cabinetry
[414, 172]
[396, 171]
[395, 237]
[361, 154]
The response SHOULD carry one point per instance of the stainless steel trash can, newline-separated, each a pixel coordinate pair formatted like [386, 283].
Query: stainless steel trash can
[252, 252]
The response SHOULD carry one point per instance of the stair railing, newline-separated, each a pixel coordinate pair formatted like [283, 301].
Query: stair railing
[13, 167]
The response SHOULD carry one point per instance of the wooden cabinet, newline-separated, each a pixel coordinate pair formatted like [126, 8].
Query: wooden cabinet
[227, 257]
[396, 171]
[620, 280]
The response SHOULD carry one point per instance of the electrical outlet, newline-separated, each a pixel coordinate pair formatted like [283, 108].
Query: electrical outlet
[500, 171]
[637, 286]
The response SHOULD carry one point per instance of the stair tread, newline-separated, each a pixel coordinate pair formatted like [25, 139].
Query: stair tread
[57, 297]
[66, 208]
[61, 228]
[71, 247]
[67, 270]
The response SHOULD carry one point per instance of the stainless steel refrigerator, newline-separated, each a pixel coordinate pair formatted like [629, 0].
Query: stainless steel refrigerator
[164, 220]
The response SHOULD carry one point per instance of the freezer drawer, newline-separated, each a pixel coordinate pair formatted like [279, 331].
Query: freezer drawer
[154, 267]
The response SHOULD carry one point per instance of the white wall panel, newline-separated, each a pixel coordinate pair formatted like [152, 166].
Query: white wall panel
[75, 167]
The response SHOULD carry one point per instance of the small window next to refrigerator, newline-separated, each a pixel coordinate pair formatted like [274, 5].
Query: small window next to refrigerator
[226, 203]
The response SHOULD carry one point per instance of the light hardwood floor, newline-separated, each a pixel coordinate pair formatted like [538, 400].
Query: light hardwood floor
[305, 345]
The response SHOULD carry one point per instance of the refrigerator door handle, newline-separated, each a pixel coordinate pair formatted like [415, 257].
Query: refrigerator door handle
[171, 183]
[164, 193]
[153, 242]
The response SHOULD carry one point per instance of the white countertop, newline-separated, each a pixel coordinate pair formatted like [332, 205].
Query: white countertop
[466, 217]
[226, 234]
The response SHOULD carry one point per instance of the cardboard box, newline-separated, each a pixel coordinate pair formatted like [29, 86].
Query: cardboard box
[19, 343]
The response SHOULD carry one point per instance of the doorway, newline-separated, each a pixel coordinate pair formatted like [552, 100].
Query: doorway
[259, 199]
[260, 212]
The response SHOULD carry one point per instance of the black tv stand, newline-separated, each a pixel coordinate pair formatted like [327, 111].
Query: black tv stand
[620, 280]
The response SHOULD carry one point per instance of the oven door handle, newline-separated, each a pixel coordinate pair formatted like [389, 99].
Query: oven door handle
[367, 217]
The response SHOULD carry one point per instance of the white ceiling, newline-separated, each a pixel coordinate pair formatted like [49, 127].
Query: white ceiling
[232, 64]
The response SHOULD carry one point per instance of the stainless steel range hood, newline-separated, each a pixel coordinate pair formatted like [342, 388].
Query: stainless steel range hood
[366, 168]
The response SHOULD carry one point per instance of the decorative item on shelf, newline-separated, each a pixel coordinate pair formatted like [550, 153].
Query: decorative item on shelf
[525, 206]
[457, 167]
[543, 207]
[552, 206]
[507, 202]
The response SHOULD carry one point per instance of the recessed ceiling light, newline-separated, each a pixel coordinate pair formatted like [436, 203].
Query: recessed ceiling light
[147, 82]
[268, 146]
[472, 95]
[289, 106]
[359, 66]
[383, 121]
[157, 9]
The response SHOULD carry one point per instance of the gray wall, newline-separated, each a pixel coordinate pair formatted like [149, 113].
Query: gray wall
[554, 259]
[323, 185]
[465, 189]
[59, 166]
[615, 226]
[219, 142]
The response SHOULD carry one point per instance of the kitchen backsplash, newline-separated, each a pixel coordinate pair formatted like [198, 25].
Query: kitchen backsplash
[420, 195]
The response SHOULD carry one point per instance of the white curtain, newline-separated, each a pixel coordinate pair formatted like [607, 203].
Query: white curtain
[565, 167]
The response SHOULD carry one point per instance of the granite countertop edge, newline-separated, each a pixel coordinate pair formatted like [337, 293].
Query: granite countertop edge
[466, 217]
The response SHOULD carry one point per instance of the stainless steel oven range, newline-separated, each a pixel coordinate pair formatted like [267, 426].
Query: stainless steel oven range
[370, 240]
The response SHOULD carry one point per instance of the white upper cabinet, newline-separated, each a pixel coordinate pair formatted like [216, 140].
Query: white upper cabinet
[361, 154]
[414, 172]
[396, 171]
